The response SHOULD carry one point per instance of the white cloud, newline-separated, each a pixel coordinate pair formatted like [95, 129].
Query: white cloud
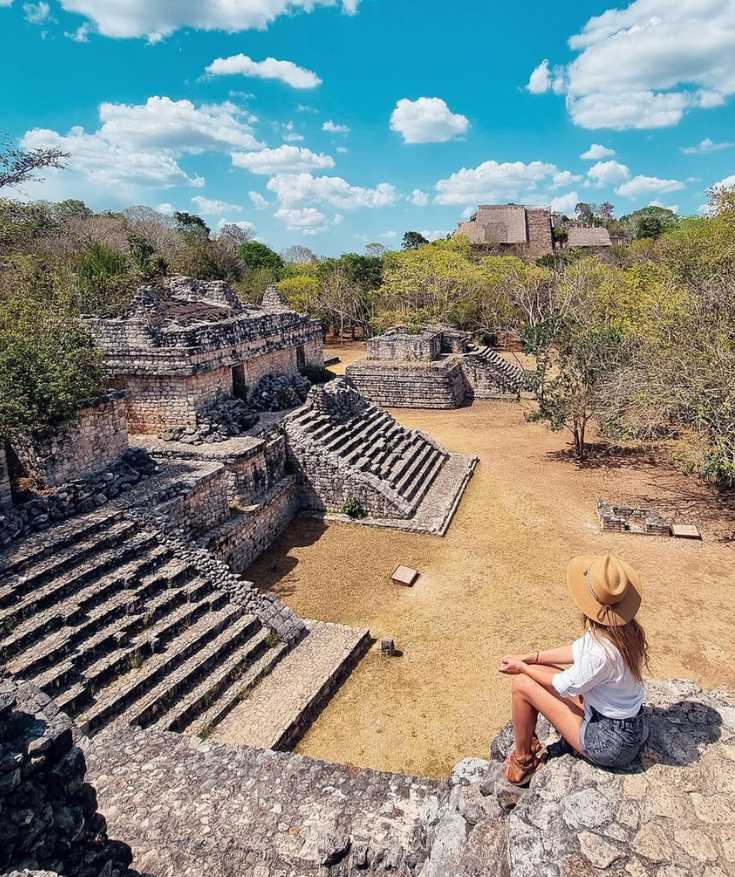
[283, 71]
[706, 146]
[290, 134]
[6, 2]
[106, 163]
[304, 108]
[296, 189]
[565, 203]
[468, 211]
[155, 19]
[543, 79]
[565, 178]
[176, 124]
[258, 201]
[343, 150]
[166, 208]
[240, 223]
[36, 13]
[81, 34]
[493, 182]
[434, 234]
[308, 220]
[283, 160]
[641, 185]
[333, 128]
[427, 120]
[418, 198]
[597, 152]
[645, 65]
[728, 182]
[212, 207]
[607, 173]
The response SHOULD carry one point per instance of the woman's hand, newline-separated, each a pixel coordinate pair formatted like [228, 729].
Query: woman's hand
[512, 665]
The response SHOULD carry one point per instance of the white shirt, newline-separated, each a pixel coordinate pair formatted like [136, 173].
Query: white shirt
[600, 674]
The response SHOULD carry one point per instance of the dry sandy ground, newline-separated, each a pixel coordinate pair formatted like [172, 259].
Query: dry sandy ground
[495, 584]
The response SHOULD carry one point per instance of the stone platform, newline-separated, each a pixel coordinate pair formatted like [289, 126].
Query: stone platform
[278, 712]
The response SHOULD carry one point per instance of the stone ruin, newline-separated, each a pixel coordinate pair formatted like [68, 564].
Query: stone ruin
[510, 229]
[437, 367]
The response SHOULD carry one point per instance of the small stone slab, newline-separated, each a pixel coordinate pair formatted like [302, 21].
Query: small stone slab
[685, 531]
[404, 575]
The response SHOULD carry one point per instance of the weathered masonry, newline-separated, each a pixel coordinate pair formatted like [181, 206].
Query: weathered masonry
[434, 368]
[185, 343]
[510, 228]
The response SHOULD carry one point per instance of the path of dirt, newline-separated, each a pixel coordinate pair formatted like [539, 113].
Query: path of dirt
[495, 584]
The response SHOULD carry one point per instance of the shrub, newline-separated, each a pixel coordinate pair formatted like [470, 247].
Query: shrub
[354, 509]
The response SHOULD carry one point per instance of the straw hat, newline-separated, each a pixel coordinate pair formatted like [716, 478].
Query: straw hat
[607, 589]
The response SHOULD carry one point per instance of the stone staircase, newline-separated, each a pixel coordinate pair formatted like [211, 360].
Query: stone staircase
[102, 614]
[489, 376]
[373, 443]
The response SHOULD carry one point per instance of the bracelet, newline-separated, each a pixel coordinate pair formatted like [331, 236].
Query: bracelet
[537, 657]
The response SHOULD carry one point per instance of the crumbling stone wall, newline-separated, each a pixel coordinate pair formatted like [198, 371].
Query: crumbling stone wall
[409, 385]
[540, 239]
[93, 440]
[48, 813]
[397, 345]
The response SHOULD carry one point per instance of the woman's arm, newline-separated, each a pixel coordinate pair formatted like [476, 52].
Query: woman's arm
[550, 657]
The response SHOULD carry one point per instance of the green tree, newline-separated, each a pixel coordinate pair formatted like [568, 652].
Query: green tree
[412, 240]
[191, 223]
[256, 255]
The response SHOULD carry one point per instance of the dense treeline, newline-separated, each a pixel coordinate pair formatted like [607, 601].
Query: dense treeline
[640, 342]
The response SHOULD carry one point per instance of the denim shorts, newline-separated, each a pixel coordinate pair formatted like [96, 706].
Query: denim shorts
[613, 742]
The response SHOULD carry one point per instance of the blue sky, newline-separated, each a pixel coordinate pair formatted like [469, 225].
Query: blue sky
[224, 109]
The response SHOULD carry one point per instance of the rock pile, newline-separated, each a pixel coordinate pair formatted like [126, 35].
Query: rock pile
[48, 814]
[76, 497]
[670, 815]
[279, 392]
[220, 420]
[338, 399]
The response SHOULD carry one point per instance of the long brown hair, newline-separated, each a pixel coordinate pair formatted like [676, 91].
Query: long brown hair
[629, 639]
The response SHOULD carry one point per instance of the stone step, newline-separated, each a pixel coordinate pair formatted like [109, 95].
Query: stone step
[405, 484]
[233, 684]
[340, 439]
[65, 559]
[38, 547]
[73, 581]
[74, 605]
[424, 479]
[117, 696]
[363, 436]
[244, 635]
[406, 460]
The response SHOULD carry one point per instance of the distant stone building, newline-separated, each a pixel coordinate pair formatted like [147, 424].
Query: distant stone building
[588, 238]
[512, 228]
[183, 344]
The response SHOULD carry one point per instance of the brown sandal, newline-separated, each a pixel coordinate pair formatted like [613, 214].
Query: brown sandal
[518, 771]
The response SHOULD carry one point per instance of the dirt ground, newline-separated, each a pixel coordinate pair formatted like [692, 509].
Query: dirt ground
[495, 584]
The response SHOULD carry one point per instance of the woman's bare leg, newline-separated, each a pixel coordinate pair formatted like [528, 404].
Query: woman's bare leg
[529, 698]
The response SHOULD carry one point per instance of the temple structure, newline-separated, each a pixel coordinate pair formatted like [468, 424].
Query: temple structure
[510, 228]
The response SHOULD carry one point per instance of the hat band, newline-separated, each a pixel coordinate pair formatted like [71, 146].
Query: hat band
[606, 608]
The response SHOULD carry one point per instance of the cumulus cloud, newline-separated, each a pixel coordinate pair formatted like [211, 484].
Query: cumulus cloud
[36, 13]
[81, 34]
[418, 198]
[607, 173]
[176, 124]
[258, 201]
[333, 128]
[427, 120]
[293, 190]
[494, 182]
[564, 178]
[641, 185]
[213, 207]
[674, 208]
[726, 183]
[597, 152]
[307, 220]
[284, 159]
[156, 20]
[646, 65]
[565, 203]
[283, 71]
[240, 223]
[434, 234]
[704, 147]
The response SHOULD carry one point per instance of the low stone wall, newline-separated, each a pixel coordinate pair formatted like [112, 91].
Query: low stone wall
[6, 497]
[409, 384]
[203, 506]
[48, 813]
[97, 437]
[246, 535]
[425, 346]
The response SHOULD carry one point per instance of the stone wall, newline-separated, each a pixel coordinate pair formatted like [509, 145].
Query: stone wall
[248, 533]
[96, 438]
[540, 240]
[48, 813]
[394, 345]
[157, 403]
[409, 385]
[204, 505]
[6, 497]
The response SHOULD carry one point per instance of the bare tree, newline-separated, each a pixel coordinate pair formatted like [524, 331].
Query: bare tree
[20, 166]
[298, 254]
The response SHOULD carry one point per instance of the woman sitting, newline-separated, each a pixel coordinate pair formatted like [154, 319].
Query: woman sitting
[595, 703]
